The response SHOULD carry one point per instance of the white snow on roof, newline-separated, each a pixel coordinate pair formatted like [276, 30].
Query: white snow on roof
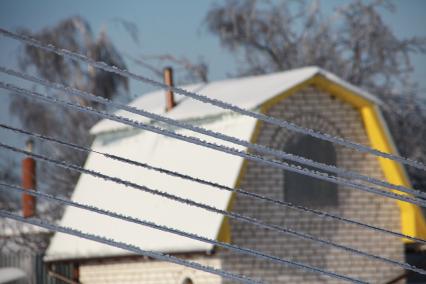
[9, 274]
[171, 154]
[247, 92]
[160, 151]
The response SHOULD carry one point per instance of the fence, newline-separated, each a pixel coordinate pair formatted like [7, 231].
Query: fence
[36, 270]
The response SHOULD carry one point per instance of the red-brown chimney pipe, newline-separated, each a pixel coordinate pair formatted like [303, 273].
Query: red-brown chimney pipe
[168, 80]
[29, 183]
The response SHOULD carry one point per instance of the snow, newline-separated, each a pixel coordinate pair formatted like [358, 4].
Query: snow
[12, 228]
[159, 151]
[248, 93]
[9, 274]
[175, 155]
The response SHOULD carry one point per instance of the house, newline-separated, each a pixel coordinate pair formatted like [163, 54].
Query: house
[21, 244]
[20, 262]
[310, 97]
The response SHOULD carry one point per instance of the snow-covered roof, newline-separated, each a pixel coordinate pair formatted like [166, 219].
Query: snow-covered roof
[248, 92]
[174, 155]
[160, 151]
[9, 274]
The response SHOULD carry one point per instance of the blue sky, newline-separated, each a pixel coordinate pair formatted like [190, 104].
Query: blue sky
[171, 27]
[166, 26]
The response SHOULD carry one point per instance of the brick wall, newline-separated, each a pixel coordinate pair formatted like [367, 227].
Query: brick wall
[323, 112]
[148, 272]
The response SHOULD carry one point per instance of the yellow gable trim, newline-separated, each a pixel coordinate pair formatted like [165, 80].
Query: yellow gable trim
[412, 219]
[224, 234]
[411, 216]
[340, 92]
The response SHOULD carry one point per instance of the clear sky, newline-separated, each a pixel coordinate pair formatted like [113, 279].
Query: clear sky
[173, 27]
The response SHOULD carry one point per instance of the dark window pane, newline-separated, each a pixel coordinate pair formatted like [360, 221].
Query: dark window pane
[303, 190]
[187, 281]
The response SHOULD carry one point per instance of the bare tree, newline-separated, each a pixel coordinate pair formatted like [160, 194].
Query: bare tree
[186, 70]
[8, 173]
[73, 34]
[354, 42]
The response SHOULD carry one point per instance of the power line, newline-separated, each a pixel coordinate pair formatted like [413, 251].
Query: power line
[213, 184]
[128, 247]
[201, 130]
[231, 214]
[222, 148]
[163, 228]
[282, 123]
[342, 142]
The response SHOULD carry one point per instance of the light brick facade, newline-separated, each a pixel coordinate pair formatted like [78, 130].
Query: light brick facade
[320, 111]
[323, 112]
[148, 271]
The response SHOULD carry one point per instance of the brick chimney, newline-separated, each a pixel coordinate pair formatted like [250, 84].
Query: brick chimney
[28, 183]
[168, 80]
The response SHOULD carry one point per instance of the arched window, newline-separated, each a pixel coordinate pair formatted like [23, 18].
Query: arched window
[187, 281]
[304, 190]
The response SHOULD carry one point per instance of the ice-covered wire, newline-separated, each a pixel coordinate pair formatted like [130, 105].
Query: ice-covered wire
[127, 247]
[260, 148]
[279, 122]
[222, 148]
[230, 214]
[211, 183]
[234, 248]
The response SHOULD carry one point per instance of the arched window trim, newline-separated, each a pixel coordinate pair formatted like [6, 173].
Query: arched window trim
[187, 280]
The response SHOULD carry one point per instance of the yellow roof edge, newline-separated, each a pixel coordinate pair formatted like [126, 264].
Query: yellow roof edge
[412, 220]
